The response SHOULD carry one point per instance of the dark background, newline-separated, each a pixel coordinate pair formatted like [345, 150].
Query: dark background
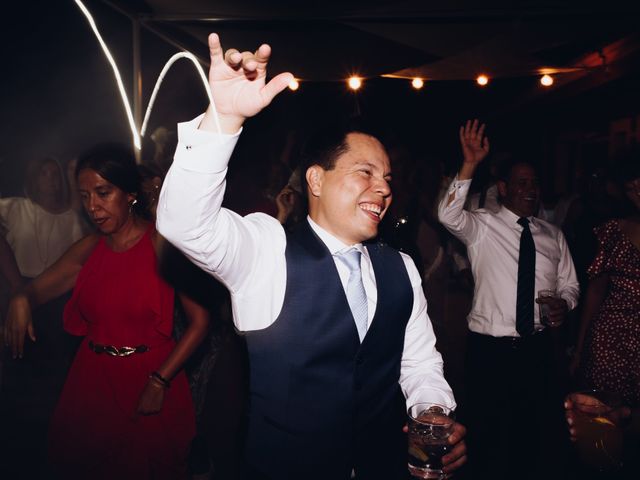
[59, 96]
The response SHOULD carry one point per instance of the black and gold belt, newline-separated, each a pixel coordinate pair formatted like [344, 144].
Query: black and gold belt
[117, 351]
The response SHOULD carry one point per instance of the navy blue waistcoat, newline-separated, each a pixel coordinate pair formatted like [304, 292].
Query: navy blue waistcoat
[320, 401]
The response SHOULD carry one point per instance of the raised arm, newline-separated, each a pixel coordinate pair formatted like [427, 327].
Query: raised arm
[238, 85]
[475, 148]
[190, 213]
[53, 282]
[451, 213]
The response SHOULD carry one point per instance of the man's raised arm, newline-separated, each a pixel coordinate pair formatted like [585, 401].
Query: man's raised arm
[475, 147]
[189, 212]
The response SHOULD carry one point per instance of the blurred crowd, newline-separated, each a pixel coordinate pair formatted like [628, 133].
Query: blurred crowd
[595, 346]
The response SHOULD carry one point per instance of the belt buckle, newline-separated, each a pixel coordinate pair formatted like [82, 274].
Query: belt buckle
[126, 351]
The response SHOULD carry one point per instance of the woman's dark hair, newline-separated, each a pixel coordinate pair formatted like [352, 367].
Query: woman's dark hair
[116, 163]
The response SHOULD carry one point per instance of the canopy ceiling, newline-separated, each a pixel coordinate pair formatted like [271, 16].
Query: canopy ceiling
[436, 40]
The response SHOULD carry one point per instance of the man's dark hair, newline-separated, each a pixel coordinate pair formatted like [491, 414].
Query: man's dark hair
[325, 145]
[116, 163]
[505, 169]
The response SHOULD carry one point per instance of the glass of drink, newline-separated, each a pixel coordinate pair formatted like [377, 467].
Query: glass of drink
[543, 307]
[430, 425]
[599, 440]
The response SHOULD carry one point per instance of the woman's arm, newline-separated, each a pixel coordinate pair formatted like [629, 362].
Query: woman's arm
[198, 323]
[596, 291]
[59, 278]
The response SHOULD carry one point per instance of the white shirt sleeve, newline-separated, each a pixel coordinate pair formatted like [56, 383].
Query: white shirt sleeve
[454, 217]
[241, 252]
[421, 370]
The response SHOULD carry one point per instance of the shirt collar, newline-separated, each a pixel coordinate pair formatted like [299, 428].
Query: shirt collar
[332, 243]
[511, 218]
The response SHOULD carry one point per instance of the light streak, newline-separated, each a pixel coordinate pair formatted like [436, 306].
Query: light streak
[116, 72]
[164, 71]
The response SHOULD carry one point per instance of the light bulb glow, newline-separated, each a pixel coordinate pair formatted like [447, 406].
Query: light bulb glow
[116, 72]
[482, 80]
[294, 85]
[417, 83]
[355, 83]
[546, 80]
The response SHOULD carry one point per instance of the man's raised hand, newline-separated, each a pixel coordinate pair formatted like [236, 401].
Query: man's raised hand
[475, 146]
[238, 85]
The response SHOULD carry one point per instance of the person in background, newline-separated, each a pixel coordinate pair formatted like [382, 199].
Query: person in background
[608, 346]
[38, 228]
[512, 394]
[125, 410]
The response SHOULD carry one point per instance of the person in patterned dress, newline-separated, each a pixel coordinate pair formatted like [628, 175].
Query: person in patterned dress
[608, 347]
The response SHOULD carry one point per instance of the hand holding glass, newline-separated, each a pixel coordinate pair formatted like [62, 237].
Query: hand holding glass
[430, 425]
[544, 298]
[599, 440]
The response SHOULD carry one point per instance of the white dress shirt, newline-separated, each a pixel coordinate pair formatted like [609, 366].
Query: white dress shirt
[247, 254]
[37, 237]
[493, 247]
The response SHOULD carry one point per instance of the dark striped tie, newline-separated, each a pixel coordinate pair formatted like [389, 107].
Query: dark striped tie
[526, 280]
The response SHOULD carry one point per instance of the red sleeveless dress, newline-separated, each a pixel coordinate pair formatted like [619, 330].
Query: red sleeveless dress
[119, 299]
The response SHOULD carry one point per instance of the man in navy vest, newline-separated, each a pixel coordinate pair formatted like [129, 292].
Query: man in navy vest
[336, 330]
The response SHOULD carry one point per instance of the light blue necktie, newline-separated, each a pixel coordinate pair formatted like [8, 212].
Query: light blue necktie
[356, 295]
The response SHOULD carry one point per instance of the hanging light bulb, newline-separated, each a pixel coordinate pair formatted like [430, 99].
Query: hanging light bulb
[355, 83]
[417, 83]
[546, 80]
[482, 80]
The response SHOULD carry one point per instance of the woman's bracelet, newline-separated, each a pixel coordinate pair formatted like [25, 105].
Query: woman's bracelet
[160, 379]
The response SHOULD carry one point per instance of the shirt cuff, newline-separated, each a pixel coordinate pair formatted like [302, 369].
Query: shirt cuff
[430, 395]
[202, 151]
[459, 187]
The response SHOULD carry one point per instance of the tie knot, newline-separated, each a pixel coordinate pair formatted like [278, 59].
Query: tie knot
[351, 258]
[524, 221]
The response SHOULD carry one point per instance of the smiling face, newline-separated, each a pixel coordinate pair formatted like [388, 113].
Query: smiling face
[521, 192]
[350, 200]
[106, 204]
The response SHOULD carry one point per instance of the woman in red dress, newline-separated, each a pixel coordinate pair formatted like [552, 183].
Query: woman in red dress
[125, 410]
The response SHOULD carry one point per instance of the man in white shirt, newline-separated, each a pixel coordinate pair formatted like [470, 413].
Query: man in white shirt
[326, 369]
[513, 406]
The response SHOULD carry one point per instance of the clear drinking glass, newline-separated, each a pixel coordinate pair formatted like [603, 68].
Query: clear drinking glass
[543, 308]
[430, 425]
[599, 441]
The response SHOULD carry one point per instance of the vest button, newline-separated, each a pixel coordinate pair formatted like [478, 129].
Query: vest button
[359, 360]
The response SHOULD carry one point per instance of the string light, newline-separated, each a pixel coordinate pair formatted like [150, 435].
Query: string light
[546, 80]
[294, 85]
[417, 83]
[482, 80]
[354, 83]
